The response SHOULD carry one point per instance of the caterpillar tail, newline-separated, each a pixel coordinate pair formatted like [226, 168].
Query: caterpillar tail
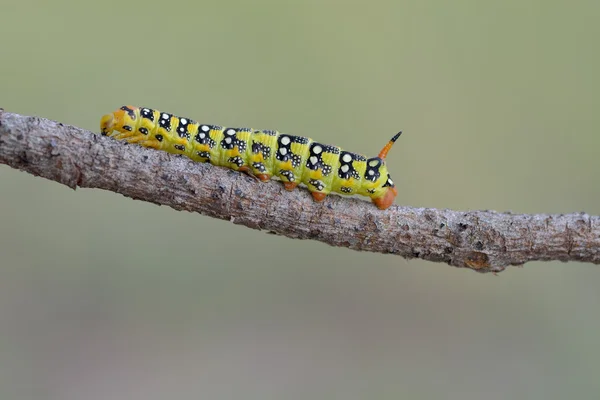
[383, 153]
[388, 197]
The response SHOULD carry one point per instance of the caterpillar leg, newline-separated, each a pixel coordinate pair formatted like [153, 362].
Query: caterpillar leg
[289, 186]
[152, 143]
[246, 170]
[386, 200]
[124, 136]
[259, 177]
[318, 196]
[136, 139]
[318, 189]
[263, 177]
[141, 140]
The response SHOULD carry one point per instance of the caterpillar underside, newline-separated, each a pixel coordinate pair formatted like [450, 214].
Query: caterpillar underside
[261, 153]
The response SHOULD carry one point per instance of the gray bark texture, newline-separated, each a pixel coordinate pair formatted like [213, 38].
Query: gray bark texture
[484, 241]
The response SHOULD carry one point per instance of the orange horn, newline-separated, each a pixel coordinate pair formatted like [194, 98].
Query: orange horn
[388, 146]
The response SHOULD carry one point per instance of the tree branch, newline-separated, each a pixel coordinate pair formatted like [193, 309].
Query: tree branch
[484, 241]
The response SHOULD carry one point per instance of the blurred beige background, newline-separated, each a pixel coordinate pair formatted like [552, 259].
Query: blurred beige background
[105, 297]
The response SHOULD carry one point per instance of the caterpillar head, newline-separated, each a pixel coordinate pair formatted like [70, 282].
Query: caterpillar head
[121, 121]
[378, 183]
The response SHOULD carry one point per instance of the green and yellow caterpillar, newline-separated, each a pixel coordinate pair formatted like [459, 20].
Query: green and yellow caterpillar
[261, 153]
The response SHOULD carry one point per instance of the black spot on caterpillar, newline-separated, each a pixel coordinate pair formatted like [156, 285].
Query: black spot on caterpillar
[261, 153]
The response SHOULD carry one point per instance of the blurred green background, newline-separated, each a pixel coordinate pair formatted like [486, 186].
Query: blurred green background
[105, 297]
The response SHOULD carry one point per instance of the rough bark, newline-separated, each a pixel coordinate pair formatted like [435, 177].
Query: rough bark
[485, 241]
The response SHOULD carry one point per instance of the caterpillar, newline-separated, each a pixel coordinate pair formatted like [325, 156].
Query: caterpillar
[263, 154]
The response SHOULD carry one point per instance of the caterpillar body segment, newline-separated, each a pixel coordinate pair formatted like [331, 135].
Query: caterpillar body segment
[262, 153]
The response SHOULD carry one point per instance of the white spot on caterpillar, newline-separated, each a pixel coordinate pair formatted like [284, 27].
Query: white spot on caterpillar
[313, 160]
[345, 168]
[283, 151]
[390, 182]
[183, 121]
[230, 132]
[285, 140]
[228, 140]
[202, 135]
[165, 116]
[205, 128]
[317, 149]
[347, 158]
[371, 172]
[373, 163]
